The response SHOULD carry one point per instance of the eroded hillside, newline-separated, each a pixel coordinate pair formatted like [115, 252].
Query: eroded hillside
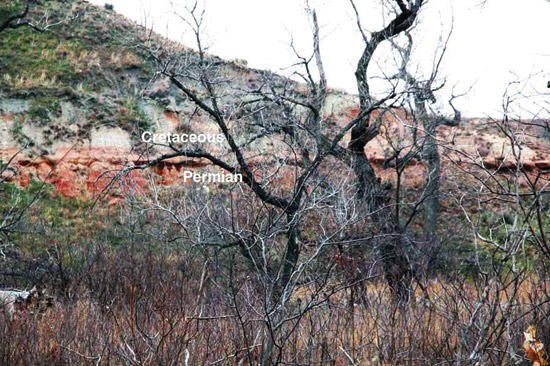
[75, 99]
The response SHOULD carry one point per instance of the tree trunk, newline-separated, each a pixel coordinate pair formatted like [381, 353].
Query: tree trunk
[391, 243]
[431, 154]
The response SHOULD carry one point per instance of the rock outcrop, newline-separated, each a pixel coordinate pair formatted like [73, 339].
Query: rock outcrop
[75, 117]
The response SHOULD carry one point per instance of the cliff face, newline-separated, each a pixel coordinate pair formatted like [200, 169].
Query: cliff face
[75, 100]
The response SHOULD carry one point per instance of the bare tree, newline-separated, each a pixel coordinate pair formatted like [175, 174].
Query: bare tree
[20, 14]
[307, 146]
[424, 122]
[396, 267]
[307, 130]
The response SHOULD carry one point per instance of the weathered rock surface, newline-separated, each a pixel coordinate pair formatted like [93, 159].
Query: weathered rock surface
[83, 169]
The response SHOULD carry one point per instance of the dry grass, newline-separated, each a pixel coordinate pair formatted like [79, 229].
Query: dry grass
[124, 59]
[30, 81]
[126, 310]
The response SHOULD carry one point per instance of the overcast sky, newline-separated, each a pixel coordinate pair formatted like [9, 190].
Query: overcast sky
[490, 46]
